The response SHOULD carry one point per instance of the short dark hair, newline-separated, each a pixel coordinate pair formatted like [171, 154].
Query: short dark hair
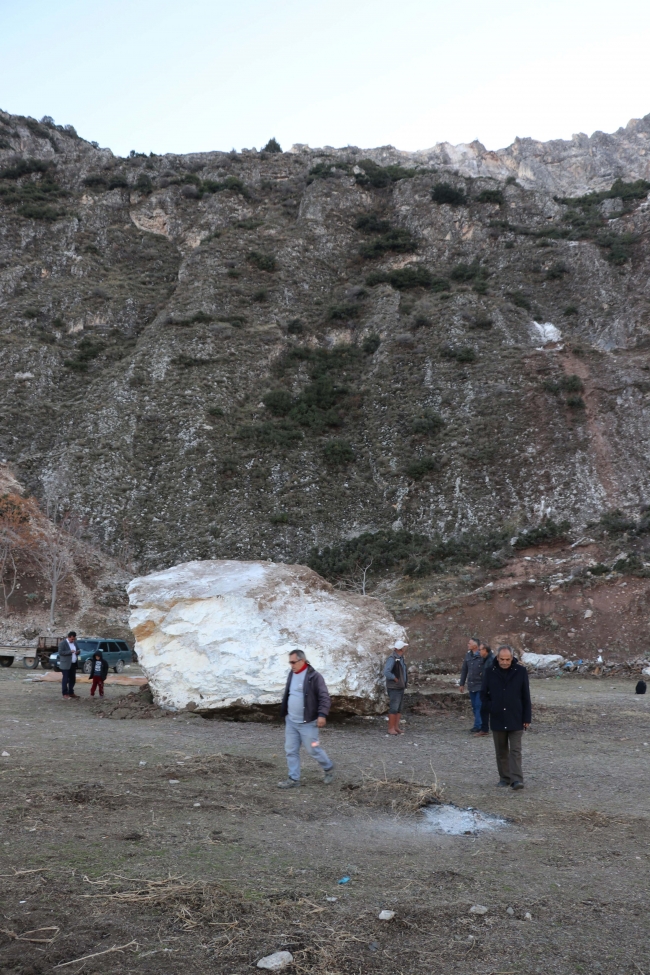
[72, 633]
[300, 654]
[486, 645]
[475, 639]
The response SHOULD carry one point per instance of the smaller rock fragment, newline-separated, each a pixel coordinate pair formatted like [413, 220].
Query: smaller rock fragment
[528, 916]
[478, 909]
[509, 911]
[386, 915]
[276, 962]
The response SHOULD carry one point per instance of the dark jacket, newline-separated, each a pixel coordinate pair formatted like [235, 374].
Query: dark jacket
[104, 672]
[317, 699]
[64, 656]
[473, 670]
[396, 673]
[506, 696]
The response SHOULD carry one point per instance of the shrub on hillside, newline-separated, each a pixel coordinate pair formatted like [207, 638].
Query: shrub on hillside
[379, 176]
[338, 453]
[263, 262]
[446, 193]
[272, 146]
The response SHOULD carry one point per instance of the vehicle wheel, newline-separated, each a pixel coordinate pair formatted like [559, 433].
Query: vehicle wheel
[88, 666]
[119, 667]
[6, 661]
[30, 663]
[46, 663]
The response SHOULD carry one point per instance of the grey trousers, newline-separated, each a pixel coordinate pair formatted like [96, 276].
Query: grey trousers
[307, 735]
[507, 745]
[395, 698]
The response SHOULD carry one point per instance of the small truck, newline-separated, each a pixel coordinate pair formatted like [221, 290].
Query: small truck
[30, 655]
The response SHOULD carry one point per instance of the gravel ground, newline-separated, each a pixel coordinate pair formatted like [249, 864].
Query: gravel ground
[196, 860]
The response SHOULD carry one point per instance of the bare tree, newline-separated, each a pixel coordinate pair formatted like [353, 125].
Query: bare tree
[52, 556]
[357, 579]
[15, 538]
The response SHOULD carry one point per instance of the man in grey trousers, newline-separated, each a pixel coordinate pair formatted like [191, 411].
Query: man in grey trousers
[305, 706]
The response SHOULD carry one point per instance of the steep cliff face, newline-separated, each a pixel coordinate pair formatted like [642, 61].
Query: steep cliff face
[450, 344]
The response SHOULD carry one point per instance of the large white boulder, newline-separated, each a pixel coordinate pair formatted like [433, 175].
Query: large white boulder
[540, 661]
[214, 635]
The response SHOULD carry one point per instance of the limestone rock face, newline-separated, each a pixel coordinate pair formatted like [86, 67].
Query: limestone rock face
[216, 634]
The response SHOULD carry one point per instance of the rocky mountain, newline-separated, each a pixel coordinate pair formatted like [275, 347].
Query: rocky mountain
[263, 354]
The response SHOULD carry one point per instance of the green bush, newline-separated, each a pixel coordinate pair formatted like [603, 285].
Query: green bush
[461, 353]
[421, 321]
[260, 296]
[279, 518]
[575, 402]
[615, 522]
[272, 146]
[341, 313]
[619, 247]
[87, 350]
[263, 262]
[466, 272]
[547, 531]
[143, 184]
[572, 384]
[379, 176]
[427, 423]
[278, 402]
[190, 361]
[415, 554]
[482, 322]
[282, 434]
[39, 211]
[521, 301]
[370, 344]
[215, 411]
[419, 468]
[397, 240]
[490, 196]
[372, 223]
[411, 276]
[24, 167]
[571, 310]
[327, 170]
[446, 193]
[295, 327]
[338, 453]
[557, 271]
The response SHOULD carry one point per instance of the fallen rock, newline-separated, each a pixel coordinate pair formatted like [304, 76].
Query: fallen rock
[276, 962]
[216, 635]
[478, 909]
[386, 915]
[540, 661]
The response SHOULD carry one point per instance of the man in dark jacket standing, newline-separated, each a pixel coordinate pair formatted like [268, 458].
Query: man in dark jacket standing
[477, 659]
[506, 695]
[397, 677]
[66, 660]
[305, 706]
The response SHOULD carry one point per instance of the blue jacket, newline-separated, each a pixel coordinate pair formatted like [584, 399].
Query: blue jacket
[506, 696]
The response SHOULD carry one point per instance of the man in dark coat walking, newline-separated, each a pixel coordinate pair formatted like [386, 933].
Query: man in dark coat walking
[477, 659]
[506, 695]
[305, 706]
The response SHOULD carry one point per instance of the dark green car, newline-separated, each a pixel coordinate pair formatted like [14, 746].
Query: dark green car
[116, 653]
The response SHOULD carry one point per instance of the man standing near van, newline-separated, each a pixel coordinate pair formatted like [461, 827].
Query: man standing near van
[66, 660]
[305, 706]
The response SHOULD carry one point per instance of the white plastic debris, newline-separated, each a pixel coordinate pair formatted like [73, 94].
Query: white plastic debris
[331, 900]
[174, 781]
[197, 805]
[6, 755]
[276, 962]
[386, 915]
[528, 916]
[588, 614]
[143, 764]
[478, 909]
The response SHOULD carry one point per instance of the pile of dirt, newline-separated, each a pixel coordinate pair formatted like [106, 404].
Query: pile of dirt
[137, 704]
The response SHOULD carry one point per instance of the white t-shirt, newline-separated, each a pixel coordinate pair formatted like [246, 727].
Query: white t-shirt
[296, 706]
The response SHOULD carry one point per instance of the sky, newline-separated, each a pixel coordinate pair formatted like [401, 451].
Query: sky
[165, 76]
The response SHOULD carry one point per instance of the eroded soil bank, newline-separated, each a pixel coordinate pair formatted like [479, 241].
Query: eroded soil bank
[195, 861]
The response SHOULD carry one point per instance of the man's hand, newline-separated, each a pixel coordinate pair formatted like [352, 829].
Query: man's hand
[462, 688]
[321, 722]
[526, 727]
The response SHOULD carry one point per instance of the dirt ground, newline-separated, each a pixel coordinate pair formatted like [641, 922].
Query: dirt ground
[196, 862]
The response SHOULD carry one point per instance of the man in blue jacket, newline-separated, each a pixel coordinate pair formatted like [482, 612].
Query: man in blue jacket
[506, 696]
[305, 706]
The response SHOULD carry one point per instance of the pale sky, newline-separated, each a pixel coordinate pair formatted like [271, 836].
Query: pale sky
[166, 76]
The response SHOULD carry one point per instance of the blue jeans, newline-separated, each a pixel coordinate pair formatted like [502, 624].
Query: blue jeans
[475, 698]
[306, 734]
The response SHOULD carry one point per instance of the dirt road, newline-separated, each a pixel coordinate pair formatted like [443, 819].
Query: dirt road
[168, 839]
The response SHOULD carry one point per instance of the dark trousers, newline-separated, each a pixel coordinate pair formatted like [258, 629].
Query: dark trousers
[72, 680]
[507, 745]
[395, 698]
[97, 683]
[66, 683]
[475, 698]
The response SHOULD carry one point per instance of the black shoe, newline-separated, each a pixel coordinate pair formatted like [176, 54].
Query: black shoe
[517, 785]
[502, 783]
